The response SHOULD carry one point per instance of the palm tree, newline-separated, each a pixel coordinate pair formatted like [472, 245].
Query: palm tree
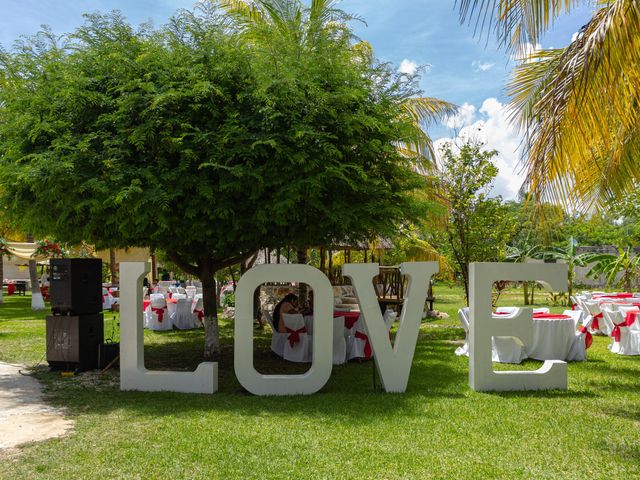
[569, 254]
[520, 254]
[578, 106]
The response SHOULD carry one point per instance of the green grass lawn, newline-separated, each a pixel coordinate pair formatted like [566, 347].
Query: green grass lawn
[439, 428]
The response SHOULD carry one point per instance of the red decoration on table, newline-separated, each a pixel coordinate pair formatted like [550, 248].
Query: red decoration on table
[551, 316]
[588, 338]
[294, 335]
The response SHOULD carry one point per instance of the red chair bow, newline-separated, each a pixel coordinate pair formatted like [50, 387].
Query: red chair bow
[616, 332]
[588, 338]
[367, 345]
[294, 335]
[159, 312]
[200, 314]
[11, 289]
[595, 324]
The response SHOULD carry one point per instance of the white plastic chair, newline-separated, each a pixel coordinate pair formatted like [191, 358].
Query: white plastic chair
[277, 339]
[339, 342]
[297, 346]
[157, 314]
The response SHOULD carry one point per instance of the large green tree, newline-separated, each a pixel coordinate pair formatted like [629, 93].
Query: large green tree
[189, 140]
[478, 226]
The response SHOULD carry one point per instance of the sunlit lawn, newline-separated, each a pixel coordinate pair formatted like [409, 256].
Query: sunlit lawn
[438, 429]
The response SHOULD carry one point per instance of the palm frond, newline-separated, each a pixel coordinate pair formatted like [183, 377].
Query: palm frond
[579, 110]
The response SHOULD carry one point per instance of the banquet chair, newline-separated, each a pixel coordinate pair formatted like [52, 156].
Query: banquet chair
[581, 342]
[190, 291]
[597, 325]
[339, 342]
[389, 317]
[173, 291]
[197, 310]
[107, 299]
[540, 310]
[297, 345]
[575, 314]
[277, 339]
[157, 315]
[463, 315]
[624, 340]
[358, 345]
[181, 290]
[183, 317]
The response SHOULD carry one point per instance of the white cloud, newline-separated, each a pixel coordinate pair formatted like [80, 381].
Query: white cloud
[479, 66]
[496, 133]
[462, 118]
[408, 67]
[526, 51]
[575, 36]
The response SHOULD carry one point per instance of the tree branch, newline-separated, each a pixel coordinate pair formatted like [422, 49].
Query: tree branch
[184, 265]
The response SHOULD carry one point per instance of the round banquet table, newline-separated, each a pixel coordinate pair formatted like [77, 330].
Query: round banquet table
[350, 318]
[553, 337]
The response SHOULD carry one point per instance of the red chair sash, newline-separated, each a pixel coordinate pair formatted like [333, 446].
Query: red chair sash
[159, 312]
[200, 314]
[588, 338]
[616, 332]
[630, 317]
[11, 289]
[294, 335]
[595, 324]
[367, 345]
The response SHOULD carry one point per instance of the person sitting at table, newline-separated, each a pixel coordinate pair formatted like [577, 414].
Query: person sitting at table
[288, 305]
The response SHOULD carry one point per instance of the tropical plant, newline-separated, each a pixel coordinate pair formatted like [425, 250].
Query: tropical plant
[521, 254]
[610, 266]
[569, 255]
[578, 105]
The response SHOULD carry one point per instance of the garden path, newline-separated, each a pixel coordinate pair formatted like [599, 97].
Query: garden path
[24, 416]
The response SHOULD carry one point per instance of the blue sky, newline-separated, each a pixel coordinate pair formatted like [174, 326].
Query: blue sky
[466, 70]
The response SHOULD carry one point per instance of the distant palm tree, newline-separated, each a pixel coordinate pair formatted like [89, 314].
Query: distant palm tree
[578, 106]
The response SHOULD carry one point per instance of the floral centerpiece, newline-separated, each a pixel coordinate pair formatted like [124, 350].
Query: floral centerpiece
[48, 249]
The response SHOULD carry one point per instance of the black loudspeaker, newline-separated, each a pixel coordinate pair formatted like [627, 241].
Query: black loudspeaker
[73, 342]
[76, 286]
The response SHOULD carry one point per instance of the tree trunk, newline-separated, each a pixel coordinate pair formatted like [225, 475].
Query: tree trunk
[154, 273]
[113, 266]
[37, 302]
[211, 328]
[525, 291]
[303, 288]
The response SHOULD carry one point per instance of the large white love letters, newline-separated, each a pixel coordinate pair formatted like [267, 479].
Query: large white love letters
[483, 326]
[393, 362]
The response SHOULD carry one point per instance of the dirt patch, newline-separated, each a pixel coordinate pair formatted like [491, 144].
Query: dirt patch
[24, 416]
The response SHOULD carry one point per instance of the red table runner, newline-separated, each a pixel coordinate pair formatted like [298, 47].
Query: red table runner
[551, 316]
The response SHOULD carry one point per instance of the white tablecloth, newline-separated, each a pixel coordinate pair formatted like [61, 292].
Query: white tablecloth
[552, 339]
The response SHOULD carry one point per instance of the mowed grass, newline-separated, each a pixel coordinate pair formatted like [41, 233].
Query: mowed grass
[439, 428]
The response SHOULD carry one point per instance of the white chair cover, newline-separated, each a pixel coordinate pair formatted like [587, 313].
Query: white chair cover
[576, 315]
[107, 299]
[578, 351]
[183, 317]
[464, 321]
[297, 346]
[191, 292]
[389, 317]
[181, 290]
[197, 311]
[339, 342]
[358, 345]
[157, 314]
[593, 309]
[277, 339]
[624, 340]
